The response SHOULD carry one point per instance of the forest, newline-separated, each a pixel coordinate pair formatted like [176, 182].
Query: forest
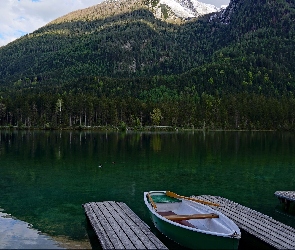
[130, 70]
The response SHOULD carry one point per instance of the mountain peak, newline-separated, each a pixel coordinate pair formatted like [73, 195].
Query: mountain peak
[183, 9]
[168, 10]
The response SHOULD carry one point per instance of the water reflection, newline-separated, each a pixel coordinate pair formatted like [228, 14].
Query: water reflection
[156, 143]
[46, 176]
[16, 234]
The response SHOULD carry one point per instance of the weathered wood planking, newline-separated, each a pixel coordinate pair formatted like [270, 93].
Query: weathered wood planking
[288, 195]
[260, 225]
[118, 227]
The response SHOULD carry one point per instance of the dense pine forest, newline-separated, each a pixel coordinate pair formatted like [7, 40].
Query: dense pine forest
[125, 68]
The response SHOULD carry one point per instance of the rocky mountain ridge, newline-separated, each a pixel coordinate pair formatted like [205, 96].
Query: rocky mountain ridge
[168, 10]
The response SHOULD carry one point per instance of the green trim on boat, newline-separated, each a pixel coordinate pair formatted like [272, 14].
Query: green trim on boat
[164, 199]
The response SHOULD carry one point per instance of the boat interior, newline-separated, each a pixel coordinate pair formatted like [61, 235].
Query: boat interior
[167, 207]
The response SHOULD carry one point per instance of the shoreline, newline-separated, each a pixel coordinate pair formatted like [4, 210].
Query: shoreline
[137, 129]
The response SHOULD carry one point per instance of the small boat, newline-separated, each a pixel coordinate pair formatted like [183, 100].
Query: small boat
[190, 223]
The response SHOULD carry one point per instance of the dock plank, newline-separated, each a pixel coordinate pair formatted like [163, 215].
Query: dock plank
[262, 226]
[289, 195]
[141, 238]
[99, 230]
[245, 219]
[118, 227]
[144, 227]
[112, 238]
[259, 222]
[132, 236]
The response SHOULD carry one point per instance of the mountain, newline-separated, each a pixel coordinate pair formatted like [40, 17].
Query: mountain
[168, 10]
[115, 38]
[123, 62]
[129, 38]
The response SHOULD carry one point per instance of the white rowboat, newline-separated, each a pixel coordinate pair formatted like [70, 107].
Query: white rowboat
[190, 223]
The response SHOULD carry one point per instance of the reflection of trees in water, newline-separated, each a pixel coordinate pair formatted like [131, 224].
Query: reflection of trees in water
[156, 143]
[38, 167]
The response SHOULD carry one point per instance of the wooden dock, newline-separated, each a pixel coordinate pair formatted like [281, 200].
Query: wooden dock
[261, 226]
[118, 227]
[285, 196]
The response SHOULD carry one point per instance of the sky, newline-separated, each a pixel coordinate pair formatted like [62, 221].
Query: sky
[20, 17]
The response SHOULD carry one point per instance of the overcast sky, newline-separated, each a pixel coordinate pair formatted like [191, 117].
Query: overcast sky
[19, 17]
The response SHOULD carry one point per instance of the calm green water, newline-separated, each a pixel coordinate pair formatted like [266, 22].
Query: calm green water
[45, 177]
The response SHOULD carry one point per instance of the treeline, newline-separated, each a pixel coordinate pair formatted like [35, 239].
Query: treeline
[186, 110]
[234, 91]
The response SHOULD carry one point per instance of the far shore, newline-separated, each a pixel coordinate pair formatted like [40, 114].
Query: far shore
[135, 129]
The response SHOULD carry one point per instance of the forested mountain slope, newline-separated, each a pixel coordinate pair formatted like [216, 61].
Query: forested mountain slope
[258, 55]
[231, 69]
[115, 38]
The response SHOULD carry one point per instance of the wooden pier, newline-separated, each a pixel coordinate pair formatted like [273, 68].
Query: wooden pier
[261, 226]
[286, 197]
[118, 227]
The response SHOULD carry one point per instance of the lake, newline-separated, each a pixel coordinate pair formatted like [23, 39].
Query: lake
[47, 175]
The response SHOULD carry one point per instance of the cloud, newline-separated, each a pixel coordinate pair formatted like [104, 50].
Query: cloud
[19, 17]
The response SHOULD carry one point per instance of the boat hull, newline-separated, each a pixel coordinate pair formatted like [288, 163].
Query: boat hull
[193, 239]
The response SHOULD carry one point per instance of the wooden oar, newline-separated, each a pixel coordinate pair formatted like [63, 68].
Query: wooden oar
[151, 201]
[174, 195]
[190, 217]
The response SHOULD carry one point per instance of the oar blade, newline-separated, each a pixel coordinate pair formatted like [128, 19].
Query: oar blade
[171, 194]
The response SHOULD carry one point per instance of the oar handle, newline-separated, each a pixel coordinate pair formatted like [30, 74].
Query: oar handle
[151, 201]
[200, 201]
[174, 195]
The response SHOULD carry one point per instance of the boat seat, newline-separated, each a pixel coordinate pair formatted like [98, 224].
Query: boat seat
[182, 222]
